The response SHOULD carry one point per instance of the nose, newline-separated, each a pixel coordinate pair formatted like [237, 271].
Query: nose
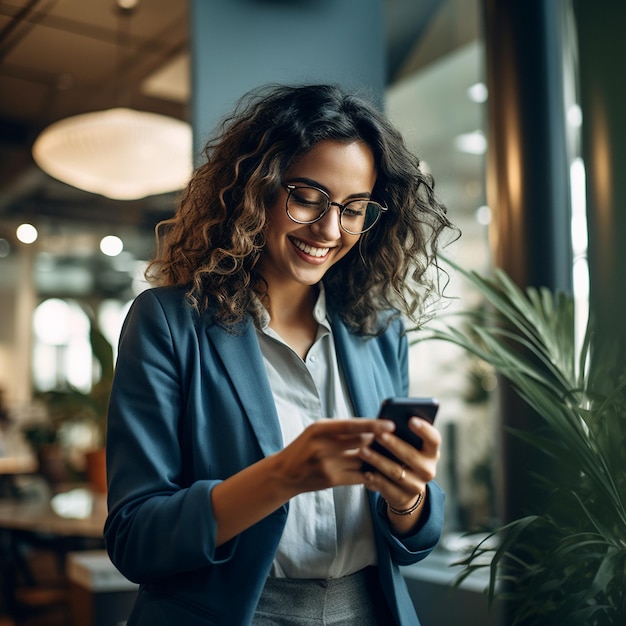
[328, 227]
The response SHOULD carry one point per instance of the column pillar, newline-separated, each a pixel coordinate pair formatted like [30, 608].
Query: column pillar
[237, 45]
[527, 190]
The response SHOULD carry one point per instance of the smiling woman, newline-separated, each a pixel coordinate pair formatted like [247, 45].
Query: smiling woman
[282, 278]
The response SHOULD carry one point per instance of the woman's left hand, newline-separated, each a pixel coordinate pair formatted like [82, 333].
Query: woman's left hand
[402, 483]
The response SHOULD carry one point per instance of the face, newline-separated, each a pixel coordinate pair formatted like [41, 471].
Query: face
[300, 254]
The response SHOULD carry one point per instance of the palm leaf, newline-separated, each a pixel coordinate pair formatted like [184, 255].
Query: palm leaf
[567, 563]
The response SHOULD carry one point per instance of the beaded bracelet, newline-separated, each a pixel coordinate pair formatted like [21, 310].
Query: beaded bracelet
[408, 511]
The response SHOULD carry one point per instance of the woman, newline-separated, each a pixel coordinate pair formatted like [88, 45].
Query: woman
[236, 488]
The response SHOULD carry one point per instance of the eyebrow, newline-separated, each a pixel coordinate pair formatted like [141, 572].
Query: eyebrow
[313, 183]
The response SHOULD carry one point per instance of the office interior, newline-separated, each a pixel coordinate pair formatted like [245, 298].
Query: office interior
[513, 107]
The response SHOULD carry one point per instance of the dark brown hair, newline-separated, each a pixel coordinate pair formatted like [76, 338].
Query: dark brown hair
[213, 243]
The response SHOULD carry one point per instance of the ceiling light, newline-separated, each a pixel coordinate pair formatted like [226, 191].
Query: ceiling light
[119, 153]
[472, 143]
[26, 233]
[478, 93]
[111, 245]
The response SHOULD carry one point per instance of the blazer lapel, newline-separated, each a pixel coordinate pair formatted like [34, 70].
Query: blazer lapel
[242, 359]
[358, 369]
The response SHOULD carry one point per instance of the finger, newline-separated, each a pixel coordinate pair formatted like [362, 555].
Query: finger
[402, 493]
[395, 471]
[431, 438]
[422, 462]
[322, 444]
[352, 426]
[343, 443]
[403, 451]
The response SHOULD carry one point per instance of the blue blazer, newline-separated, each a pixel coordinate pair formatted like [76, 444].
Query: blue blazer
[191, 405]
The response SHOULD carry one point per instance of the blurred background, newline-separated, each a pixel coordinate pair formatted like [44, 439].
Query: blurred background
[485, 92]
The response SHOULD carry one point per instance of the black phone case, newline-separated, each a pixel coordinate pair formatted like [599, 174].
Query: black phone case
[399, 411]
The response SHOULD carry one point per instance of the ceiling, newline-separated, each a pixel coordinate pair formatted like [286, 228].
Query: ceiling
[65, 57]
[61, 58]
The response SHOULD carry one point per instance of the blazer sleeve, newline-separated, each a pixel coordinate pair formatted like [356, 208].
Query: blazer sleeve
[144, 459]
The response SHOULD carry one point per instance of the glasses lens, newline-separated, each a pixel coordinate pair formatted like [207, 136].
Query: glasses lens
[306, 204]
[359, 216]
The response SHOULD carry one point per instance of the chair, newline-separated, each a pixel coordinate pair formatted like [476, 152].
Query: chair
[36, 590]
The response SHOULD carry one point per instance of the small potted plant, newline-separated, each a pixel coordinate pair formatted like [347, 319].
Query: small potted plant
[71, 406]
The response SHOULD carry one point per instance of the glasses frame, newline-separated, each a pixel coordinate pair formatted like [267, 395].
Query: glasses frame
[329, 203]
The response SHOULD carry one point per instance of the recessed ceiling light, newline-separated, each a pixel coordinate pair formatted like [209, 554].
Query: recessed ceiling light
[111, 245]
[477, 92]
[471, 143]
[26, 233]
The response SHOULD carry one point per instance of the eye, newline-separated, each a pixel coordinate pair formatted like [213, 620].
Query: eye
[308, 197]
[356, 208]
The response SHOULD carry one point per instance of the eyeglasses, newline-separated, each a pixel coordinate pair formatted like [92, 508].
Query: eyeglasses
[307, 205]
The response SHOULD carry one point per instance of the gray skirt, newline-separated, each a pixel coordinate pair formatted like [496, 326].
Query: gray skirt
[355, 600]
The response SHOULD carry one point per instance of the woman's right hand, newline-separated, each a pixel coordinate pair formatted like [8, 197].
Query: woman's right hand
[325, 454]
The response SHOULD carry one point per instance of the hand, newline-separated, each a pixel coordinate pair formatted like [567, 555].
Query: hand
[400, 484]
[326, 454]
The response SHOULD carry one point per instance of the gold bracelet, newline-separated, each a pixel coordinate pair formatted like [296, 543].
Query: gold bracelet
[408, 511]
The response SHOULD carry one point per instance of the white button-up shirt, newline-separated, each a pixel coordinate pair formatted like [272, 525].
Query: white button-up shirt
[328, 533]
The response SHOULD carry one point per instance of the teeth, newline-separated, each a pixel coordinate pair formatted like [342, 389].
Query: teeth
[310, 250]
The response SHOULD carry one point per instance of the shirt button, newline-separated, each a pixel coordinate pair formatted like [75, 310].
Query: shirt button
[313, 359]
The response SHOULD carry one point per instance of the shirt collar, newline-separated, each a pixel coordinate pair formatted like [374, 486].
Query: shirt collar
[262, 317]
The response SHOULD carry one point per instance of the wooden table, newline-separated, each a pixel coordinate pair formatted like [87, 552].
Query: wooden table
[37, 515]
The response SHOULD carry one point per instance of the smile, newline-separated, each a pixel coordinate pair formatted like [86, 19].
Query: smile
[310, 250]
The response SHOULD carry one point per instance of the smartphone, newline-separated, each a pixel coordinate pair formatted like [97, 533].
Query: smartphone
[400, 411]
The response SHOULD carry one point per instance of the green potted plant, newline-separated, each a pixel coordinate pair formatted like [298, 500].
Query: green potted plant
[43, 437]
[564, 563]
[70, 405]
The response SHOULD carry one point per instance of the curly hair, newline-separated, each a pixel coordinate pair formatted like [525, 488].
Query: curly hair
[213, 243]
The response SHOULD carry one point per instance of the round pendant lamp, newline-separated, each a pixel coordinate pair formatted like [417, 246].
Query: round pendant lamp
[119, 153]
